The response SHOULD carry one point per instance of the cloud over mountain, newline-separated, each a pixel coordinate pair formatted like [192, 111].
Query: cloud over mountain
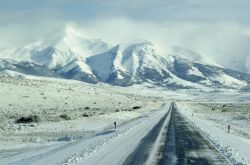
[217, 30]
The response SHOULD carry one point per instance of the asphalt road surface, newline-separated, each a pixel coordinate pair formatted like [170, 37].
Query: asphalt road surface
[141, 154]
[185, 145]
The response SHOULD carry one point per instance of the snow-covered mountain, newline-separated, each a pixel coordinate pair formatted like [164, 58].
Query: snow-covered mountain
[26, 68]
[78, 70]
[128, 64]
[208, 75]
[72, 56]
[59, 51]
[137, 63]
[66, 55]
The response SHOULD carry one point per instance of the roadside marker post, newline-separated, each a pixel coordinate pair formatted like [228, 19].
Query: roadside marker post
[115, 124]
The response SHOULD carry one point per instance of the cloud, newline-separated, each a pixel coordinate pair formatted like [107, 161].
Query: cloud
[216, 29]
[226, 44]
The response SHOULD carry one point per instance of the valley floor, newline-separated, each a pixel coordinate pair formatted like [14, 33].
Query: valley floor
[70, 122]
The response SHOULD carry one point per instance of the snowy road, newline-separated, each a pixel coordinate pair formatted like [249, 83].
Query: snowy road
[115, 145]
[142, 152]
[184, 144]
[121, 149]
[163, 136]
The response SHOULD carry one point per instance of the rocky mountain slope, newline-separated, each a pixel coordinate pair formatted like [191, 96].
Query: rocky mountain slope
[72, 56]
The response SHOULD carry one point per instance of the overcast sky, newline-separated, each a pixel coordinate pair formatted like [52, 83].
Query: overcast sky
[217, 29]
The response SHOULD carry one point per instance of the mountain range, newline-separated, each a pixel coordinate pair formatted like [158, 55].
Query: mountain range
[72, 56]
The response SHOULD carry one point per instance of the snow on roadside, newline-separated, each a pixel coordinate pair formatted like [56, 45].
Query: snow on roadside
[234, 148]
[76, 157]
[119, 137]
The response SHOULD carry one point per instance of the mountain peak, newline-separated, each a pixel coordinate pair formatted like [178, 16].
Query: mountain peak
[129, 63]
[60, 49]
[72, 55]
[70, 31]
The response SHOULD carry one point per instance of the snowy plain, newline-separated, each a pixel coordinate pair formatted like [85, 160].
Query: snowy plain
[64, 108]
[72, 114]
